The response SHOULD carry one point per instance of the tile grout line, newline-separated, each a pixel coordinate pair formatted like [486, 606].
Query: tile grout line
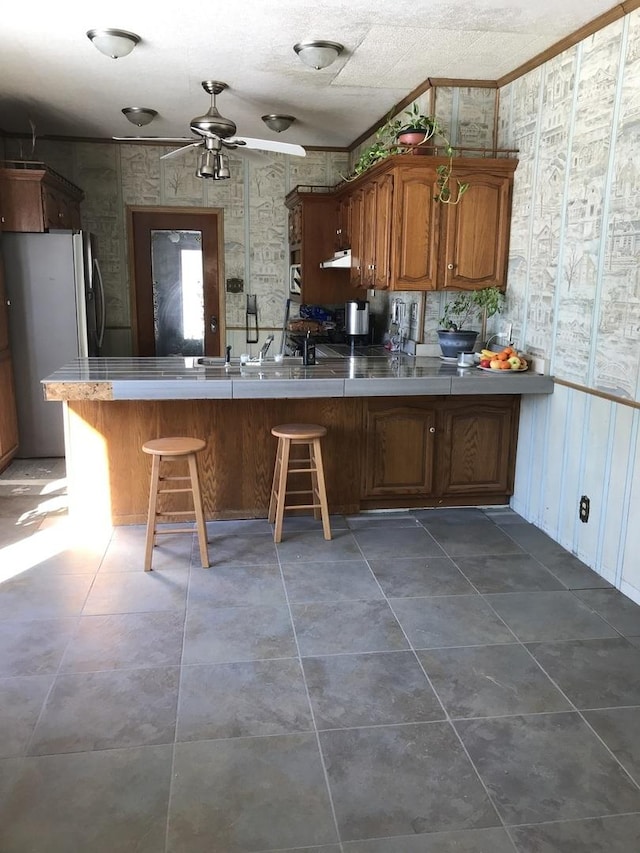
[312, 713]
[447, 717]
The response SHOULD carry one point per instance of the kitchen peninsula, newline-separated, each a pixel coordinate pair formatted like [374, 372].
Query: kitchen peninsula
[402, 431]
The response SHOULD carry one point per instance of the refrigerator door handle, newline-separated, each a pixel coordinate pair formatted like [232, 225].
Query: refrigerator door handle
[103, 313]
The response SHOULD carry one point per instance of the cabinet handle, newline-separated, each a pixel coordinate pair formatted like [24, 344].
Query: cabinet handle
[449, 266]
[432, 429]
[1, 218]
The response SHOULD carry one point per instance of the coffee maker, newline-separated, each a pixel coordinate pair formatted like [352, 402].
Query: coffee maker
[356, 321]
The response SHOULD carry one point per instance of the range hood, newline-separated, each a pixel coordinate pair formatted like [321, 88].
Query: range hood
[339, 260]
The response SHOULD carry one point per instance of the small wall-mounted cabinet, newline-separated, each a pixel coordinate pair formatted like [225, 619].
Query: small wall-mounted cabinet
[427, 451]
[34, 198]
[313, 223]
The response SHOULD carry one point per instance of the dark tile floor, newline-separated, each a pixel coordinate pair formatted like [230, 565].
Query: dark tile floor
[437, 681]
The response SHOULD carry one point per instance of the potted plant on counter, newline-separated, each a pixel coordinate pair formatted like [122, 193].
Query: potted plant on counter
[468, 305]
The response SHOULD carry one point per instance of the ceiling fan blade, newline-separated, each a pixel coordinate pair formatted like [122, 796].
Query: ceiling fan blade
[181, 150]
[270, 145]
[254, 156]
[153, 138]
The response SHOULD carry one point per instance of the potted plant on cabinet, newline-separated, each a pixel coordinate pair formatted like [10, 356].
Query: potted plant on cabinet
[467, 305]
[412, 129]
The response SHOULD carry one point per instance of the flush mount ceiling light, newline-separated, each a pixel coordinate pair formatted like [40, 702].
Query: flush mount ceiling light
[139, 115]
[278, 122]
[318, 54]
[113, 43]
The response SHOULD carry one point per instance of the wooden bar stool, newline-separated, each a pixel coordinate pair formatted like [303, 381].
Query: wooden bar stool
[288, 434]
[171, 450]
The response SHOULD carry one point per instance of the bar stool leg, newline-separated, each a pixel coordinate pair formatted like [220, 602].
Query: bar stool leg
[274, 487]
[197, 505]
[315, 491]
[322, 491]
[151, 517]
[282, 488]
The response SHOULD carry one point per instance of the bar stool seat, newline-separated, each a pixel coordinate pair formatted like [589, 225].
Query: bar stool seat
[164, 450]
[298, 434]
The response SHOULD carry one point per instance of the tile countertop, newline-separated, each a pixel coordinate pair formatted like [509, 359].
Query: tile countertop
[183, 378]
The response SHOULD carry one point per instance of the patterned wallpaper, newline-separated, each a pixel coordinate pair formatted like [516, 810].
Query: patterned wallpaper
[574, 268]
[255, 218]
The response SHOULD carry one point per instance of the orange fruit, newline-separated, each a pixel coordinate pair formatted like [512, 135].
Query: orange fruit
[502, 356]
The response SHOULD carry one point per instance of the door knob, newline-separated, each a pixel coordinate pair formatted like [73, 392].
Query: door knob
[449, 266]
[213, 324]
[432, 429]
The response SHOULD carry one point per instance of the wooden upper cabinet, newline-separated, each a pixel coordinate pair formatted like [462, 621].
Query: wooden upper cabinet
[356, 208]
[403, 239]
[415, 230]
[312, 236]
[35, 199]
[343, 227]
[476, 235]
[375, 230]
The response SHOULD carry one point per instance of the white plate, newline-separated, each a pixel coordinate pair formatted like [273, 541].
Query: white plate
[448, 359]
[506, 372]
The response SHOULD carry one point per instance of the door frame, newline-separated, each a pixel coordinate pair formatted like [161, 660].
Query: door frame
[216, 212]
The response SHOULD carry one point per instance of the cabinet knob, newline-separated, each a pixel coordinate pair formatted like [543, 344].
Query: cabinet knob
[1, 218]
[449, 266]
[432, 429]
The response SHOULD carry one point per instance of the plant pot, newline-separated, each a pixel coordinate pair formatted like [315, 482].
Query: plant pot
[414, 136]
[453, 341]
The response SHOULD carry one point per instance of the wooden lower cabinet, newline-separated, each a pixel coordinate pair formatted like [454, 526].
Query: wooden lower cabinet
[399, 449]
[477, 446]
[433, 451]
[8, 419]
[386, 452]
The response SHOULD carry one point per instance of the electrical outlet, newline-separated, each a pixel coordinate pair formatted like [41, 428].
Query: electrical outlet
[583, 509]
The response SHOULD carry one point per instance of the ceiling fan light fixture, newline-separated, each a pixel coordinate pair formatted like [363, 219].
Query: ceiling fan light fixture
[139, 116]
[113, 43]
[222, 170]
[318, 54]
[278, 122]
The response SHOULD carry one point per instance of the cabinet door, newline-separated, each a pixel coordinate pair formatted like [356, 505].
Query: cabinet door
[368, 227]
[476, 241]
[416, 220]
[295, 225]
[56, 207]
[382, 232]
[355, 228]
[343, 230]
[399, 448]
[8, 420]
[476, 446]
[4, 312]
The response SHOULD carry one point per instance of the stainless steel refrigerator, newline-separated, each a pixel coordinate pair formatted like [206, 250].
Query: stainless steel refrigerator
[56, 314]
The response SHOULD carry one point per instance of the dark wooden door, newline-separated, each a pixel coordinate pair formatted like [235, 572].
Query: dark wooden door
[178, 297]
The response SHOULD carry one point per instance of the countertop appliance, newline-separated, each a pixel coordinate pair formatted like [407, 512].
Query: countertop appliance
[56, 313]
[356, 321]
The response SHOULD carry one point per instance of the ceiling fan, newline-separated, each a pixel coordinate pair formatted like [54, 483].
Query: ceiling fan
[216, 132]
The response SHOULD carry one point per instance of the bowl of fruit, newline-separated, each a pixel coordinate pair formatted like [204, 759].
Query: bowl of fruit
[505, 360]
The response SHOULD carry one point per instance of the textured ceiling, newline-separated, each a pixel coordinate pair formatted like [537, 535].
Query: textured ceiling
[51, 74]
